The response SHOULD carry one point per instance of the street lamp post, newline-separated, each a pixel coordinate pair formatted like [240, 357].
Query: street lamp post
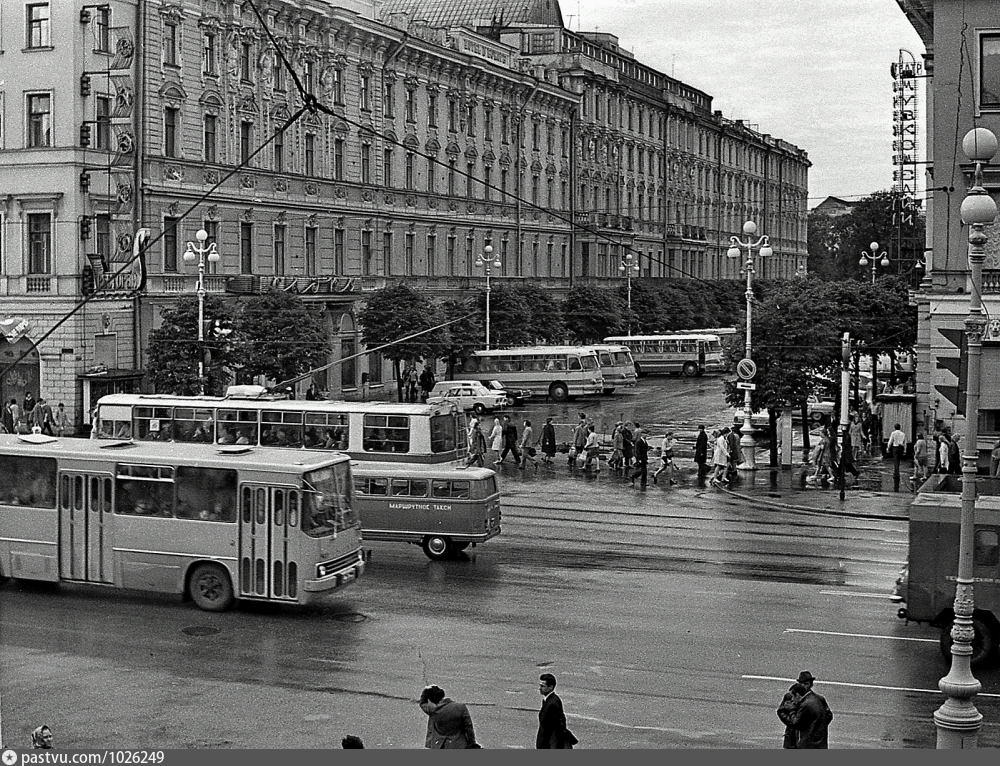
[629, 267]
[199, 252]
[881, 259]
[747, 443]
[958, 722]
[486, 260]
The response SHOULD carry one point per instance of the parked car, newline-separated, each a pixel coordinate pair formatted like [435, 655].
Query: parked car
[818, 410]
[514, 395]
[467, 395]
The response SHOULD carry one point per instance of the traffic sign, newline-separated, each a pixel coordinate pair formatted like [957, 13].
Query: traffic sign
[742, 386]
[746, 368]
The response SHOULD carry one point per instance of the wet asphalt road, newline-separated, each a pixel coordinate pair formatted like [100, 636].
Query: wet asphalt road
[673, 617]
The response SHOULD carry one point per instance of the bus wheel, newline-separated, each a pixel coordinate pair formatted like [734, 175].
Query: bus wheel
[558, 392]
[438, 548]
[210, 587]
[983, 641]
[690, 369]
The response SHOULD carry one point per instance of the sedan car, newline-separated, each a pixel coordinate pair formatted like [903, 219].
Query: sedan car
[514, 395]
[467, 395]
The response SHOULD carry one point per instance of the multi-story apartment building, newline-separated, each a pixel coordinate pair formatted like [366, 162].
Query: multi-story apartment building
[962, 68]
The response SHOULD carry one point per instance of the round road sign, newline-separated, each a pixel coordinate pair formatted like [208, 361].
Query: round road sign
[746, 369]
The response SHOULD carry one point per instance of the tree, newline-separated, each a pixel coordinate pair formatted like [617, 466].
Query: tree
[545, 319]
[510, 317]
[172, 366]
[592, 314]
[465, 335]
[398, 311]
[280, 336]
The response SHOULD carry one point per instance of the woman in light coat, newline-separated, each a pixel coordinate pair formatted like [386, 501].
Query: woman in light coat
[496, 437]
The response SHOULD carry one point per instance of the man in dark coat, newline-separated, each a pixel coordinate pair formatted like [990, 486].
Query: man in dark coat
[510, 441]
[552, 731]
[812, 717]
[449, 725]
[641, 448]
[788, 705]
[701, 451]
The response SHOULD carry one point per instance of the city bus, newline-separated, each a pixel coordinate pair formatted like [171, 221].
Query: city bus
[444, 509]
[419, 433]
[559, 372]
[617, 366]
[690, 355]
[926, 587]
[214, 524]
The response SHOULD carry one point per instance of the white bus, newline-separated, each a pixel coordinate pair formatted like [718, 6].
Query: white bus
[617, 366]
[690, 355]
[559, 372]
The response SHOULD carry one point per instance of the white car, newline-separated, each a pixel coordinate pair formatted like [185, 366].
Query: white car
[467, 395]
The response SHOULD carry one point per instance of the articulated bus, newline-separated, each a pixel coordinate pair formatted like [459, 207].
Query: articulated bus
[559, 372]
[214, 524]
[617, 366]
[444, 509]
[665, 354]
[416, 433]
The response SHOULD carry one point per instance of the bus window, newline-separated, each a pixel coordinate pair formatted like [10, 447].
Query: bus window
[144, 490]
[194, 425]
[386, 433]
[206, 494]
[986, 550]
[589, 362]
[605, 359]
[153, 423]
[443, 433]
[237, 426]
[574, 363]
[409, 488]
[458, 490]
[28, 481]
[280, 429]
[372, 486]
[115, 429]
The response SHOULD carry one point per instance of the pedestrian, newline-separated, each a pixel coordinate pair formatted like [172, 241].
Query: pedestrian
[29, 402]
[942, 453]
[954, 456]
[477, 446]
[449, 725]
[528, 446]
[720, 457]
[427, 382]
[552, 731]
[496, 440]
[811, 717]
[823, 458]
[617, 442]
[857, 436]
[61, 419]
[788, 705]
[666, 458]
[701, 451]
[352, 742]
[579, 440]
[548, 441]
[995, 461]
[8, 417]
[847, 453]
[896, 448]
[735, 453]
[637, 431]
[592, 449]
[412, 380]
[311, 395]
[46, 421]
[41, 738]
[509, 441]
[641, 447]
[920, 458]
[628, 445]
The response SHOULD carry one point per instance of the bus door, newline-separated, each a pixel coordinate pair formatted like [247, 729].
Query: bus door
[85, 524]
[269, 517]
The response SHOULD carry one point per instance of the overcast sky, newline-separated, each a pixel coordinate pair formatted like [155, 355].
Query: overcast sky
[813, 73]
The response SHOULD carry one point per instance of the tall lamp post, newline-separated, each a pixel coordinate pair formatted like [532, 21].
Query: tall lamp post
[628, 268]
[747, 443]
[877, 260]
[199, 252]
[486, 259]
[958, 722]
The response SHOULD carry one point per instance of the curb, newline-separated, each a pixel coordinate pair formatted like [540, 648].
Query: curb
[810, 509]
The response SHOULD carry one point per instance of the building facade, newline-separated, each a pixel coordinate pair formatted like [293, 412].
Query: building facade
[962, 65]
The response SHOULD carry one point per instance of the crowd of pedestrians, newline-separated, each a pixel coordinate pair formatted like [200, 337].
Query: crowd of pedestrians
[34, 416]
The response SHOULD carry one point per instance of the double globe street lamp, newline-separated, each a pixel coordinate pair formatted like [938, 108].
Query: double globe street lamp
[881, 259]
[199, 252]
[747, 443]
[629, 267]
[486, 259]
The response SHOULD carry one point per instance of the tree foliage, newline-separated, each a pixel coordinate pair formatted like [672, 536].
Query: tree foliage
[172, 366]
[510, 317]
[592, 313]
[545, 317]
[280, 336]
[466, 334]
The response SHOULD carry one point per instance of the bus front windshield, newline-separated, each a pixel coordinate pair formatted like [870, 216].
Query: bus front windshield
[327, 506]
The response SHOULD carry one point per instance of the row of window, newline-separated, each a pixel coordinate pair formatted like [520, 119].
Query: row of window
[38, 26]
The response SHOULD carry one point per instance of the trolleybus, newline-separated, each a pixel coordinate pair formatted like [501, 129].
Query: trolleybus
[559, 372]
[444, 509]
[213, 524]
[664, 354]
[420, 433]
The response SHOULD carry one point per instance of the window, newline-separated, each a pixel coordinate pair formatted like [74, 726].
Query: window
[488, 123]
[986, 548]
[409, 171]
[408, 253]
[279, 250]
[389, 98]
[374, 368]
[535, 183]
[309, 76]
[338, 251]
[431, 170]
[246, 248]
[470, 244]
[387, 433]
[534, 136]
[411, 105]
[246, 62]
[311, 251]
[488, 182]
[278, 73]
[102, 110]
[28, 481]
[366, 163]
[504, 128]
[170, 44]
[338, 159]
[989, 71]
[170, 244]
[38, 32]
[365, 93]
[39, 243]
[452, 115]
[367, 264]
[387, 166]
[102, 237]
[212, 230]
[470, 179]
[209, 55]
[310, 154]
[246, 141]
[387, 253]
[431, 253]
[102, 29]
[170, 132]
[503, 184]
[39, 120]
[451, 177]
[209, 137]
[470, 120]
[452, 240]
[279, 150]
[432, 109]
[337, 85]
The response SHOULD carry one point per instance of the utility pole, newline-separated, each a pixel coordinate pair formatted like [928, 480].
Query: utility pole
[845, 385]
